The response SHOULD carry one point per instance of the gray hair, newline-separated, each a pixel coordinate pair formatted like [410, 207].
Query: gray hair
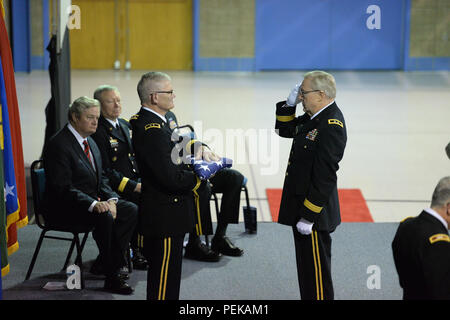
[321, 80]
[80, 105]
[441, 194]
[105, 87]
[150, 82]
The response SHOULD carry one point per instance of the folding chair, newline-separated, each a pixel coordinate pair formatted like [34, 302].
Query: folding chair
[38, 187]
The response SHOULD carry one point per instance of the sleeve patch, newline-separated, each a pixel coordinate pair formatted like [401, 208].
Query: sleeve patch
[152, 125]
[439, 237]
[286, 118]
[335, 121]
[312, 206]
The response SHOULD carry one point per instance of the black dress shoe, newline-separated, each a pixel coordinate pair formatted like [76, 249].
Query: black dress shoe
[199, 251]
[139, 261]
[116, 284]
[98, 270]
[224, 246]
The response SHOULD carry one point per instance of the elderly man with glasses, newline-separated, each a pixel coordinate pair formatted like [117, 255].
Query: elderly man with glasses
[310, 203]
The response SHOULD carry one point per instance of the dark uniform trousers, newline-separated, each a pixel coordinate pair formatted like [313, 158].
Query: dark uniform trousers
[310, 192]
[166, 208]
[313, 256]
[164, 274]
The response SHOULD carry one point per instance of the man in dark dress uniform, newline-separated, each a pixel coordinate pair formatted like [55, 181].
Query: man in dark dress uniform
[310, 201]
[421, 249]
[167, 205]
[78, 193]
[113, 137]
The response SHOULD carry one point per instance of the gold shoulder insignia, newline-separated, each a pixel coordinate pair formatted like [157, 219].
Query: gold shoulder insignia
[125, 119]
[335, 121]
[152, 125]
[406, 219]
[134, 117]
[439, 237]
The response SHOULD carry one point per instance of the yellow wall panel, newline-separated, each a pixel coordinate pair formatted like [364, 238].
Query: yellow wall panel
[158, 34]
[93, 46]
[161, 34]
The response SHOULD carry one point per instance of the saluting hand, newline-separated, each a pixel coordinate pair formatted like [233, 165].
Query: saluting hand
[292, 99]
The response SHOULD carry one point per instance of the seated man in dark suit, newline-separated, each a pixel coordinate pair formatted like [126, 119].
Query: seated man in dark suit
[113, 138]
[77, 192]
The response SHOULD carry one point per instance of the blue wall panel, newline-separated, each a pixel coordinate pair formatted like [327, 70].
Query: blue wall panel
[20, 34]
[328, 34]
[292, 34]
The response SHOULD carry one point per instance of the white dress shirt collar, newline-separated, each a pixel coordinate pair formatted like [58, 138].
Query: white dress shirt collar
[315, 115]
[79, 138]
[114, 123]
[437, 216]
[148, 109]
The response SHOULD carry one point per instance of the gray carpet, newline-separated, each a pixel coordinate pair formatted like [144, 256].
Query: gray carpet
[266, 271]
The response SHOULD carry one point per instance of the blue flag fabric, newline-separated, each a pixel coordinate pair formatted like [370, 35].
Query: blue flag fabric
[12, 203]
[206, 170]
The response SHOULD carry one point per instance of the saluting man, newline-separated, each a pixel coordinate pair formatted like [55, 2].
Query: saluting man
[310, 201]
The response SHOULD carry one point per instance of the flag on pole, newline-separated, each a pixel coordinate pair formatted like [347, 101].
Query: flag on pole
[19, 218]
[3, 242]
[10, 196]
[59, 71]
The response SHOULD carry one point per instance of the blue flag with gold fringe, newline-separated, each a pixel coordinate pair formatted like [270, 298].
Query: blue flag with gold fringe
[11, 208]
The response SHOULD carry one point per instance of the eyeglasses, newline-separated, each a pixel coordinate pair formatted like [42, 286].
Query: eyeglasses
[302, 93]
[169, 92]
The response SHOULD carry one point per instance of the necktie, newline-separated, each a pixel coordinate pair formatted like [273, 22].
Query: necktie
[86, 152]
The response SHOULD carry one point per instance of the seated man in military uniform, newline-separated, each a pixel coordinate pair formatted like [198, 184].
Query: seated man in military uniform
[113, 137]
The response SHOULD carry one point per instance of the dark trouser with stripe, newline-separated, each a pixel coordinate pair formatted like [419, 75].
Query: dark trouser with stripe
[164, 271]
[313, 253]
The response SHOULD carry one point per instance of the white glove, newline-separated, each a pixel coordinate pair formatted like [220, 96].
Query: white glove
[292, 98]
[304, 226]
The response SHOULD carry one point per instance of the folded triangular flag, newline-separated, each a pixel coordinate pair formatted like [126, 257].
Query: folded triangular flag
[206, 170]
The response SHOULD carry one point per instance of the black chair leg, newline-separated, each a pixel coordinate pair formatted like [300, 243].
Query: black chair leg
[69, 254]
[36, 252]
[79, 260]
[72, 245]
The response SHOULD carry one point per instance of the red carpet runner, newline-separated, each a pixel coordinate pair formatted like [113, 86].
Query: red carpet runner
[352, 203]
